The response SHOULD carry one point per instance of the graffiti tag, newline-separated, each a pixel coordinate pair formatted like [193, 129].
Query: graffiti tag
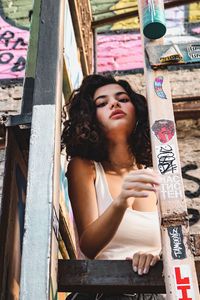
[176, 241]
[166, 159]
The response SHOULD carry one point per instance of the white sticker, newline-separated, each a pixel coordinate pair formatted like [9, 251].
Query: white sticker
[183, 278]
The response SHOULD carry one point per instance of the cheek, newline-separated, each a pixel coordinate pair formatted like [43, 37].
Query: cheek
[132, 112]
[101, 116]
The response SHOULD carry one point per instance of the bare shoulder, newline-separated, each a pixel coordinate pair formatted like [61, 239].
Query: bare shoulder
[80, 167]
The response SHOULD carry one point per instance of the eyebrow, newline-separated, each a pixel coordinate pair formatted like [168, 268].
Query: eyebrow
[105, 96]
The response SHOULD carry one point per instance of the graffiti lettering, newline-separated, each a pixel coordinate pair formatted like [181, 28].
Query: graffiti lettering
[13, 48]
[19, 65]
[166, 159]
[19, 41]
[6, 57]
[176, 241]
[185, 169]
[6, 37]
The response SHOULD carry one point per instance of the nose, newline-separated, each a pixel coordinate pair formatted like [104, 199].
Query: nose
[114, 103]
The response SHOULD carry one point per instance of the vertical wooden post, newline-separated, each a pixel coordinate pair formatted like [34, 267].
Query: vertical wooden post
[179, 268]
[39, 259]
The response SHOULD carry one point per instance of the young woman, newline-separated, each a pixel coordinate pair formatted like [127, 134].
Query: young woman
[111, 188]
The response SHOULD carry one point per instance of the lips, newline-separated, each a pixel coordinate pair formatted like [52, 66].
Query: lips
[117, 113]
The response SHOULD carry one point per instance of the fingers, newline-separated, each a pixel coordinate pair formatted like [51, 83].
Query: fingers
[142, 261]
[139, 186]
[155, 259]
[143, 177]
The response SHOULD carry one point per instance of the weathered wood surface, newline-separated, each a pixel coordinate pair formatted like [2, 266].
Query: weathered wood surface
[179, 268]
[134, 13]
[29, 81]
[40, 242]
[187, 110]
[189, 51]
[82, 18]
[109, 276]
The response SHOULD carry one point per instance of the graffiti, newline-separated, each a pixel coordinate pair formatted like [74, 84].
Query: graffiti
[171, 187]
[185, 169]
[164, 130]
[158, 87]
[176, 241]
[193, 215]
[166, 159]
[114, 52]
[183, 279]
[13, 48]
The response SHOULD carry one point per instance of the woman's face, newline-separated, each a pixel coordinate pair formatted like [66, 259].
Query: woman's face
[114, 109]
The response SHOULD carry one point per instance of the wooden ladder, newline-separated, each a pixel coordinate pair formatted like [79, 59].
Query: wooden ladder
[42, 274]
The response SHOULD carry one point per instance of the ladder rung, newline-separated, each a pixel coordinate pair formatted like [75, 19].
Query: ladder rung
[109, 276]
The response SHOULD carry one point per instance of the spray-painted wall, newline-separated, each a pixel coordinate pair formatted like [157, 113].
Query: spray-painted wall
[119, 45]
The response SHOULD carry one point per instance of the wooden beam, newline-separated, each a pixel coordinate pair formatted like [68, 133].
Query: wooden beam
[134, 13]
[111, 276]
[186, 110]
[82, 17]
[40, 243]
[172, 206]
[29, 80]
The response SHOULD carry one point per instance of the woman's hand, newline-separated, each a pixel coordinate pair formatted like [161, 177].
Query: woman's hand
[141, 262]
[137, 184]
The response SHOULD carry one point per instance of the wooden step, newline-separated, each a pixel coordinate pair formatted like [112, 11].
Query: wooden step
[109, 276]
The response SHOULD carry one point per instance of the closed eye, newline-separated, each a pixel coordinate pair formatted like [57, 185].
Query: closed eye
[102, 104]
[124, 100]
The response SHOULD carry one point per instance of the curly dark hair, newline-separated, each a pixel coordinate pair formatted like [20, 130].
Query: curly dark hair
[82, 135]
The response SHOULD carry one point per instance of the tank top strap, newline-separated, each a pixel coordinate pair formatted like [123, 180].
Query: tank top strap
[101, 187]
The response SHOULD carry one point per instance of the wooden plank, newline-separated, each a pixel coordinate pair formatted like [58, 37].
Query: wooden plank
[82, 17]
[190, 53]
[66, 235]
[186, 110]
[111, 276]
[40, 244]
[179, 268]
[72, 64]
[134, 13]
[29, 81]
[12, 212]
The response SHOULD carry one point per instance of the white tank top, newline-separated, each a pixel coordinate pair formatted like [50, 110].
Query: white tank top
[138, 231]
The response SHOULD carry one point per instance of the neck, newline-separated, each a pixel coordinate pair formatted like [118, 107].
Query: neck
[120, 156]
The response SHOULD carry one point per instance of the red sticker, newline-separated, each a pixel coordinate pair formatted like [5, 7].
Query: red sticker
[184, 283]
[164, 130]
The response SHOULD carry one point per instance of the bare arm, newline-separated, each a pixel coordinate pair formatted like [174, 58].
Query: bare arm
[95, 232]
